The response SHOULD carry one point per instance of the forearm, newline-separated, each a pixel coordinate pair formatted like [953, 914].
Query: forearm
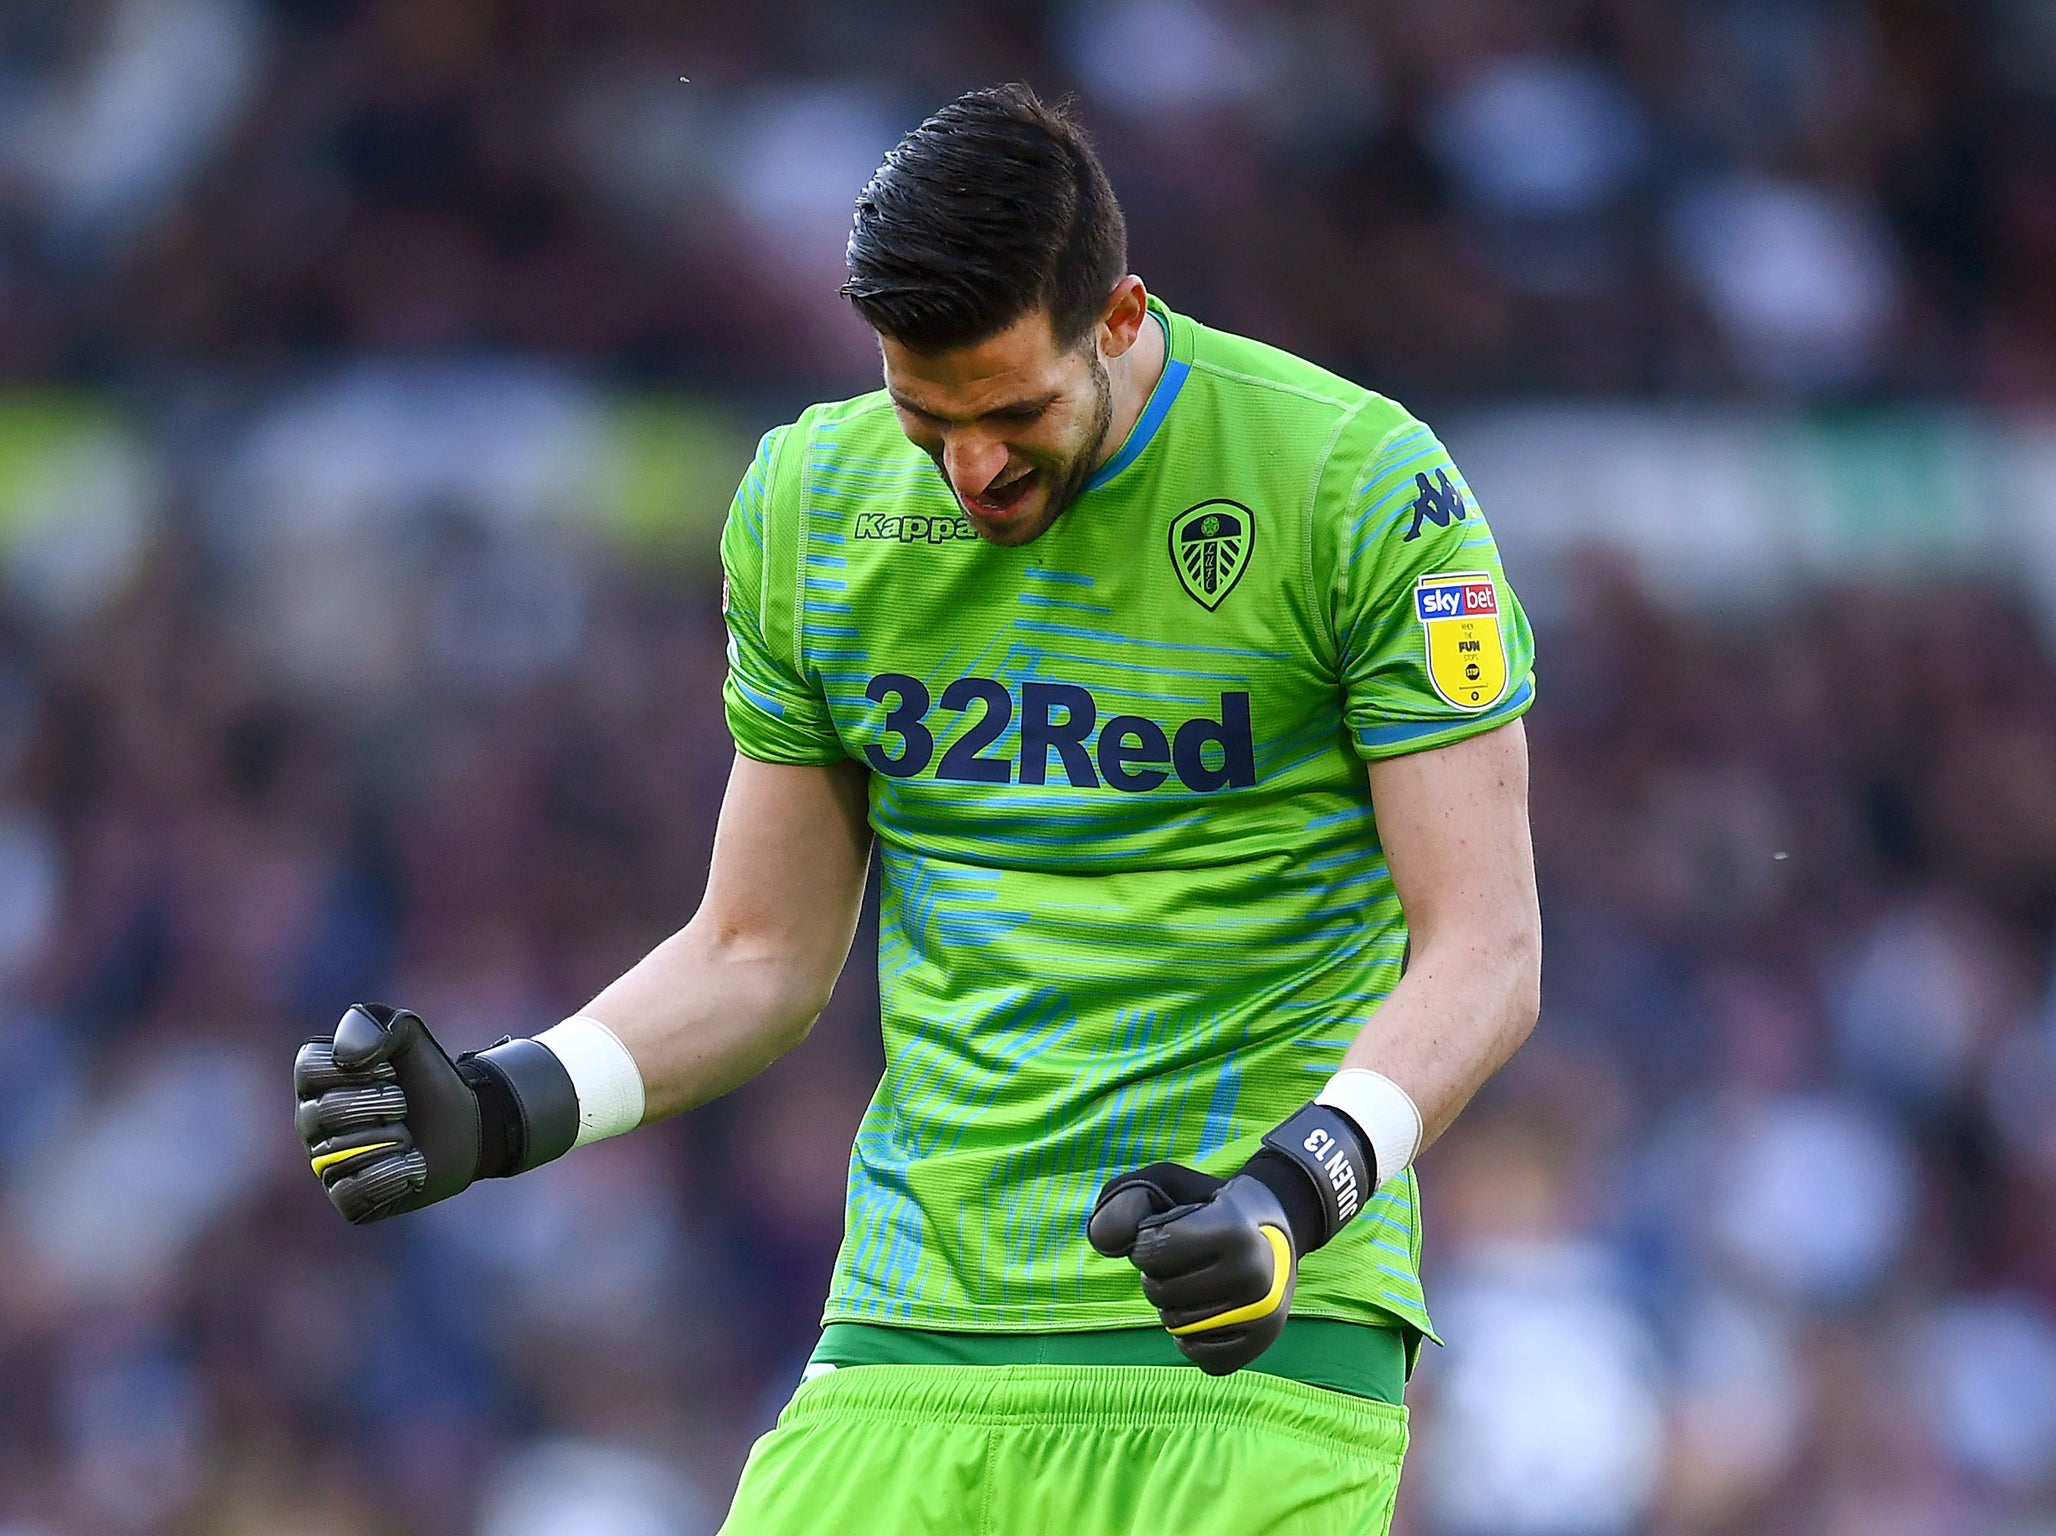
[392, 1124]
[702, 1013]
[743, 982]
[1454, 822]
[1466, 1003]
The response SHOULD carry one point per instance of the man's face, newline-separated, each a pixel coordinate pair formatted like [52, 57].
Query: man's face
[1015, 424]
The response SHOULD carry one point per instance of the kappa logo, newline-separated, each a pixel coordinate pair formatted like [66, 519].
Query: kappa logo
[913, 528]
[1440, 502]
[1210, 548]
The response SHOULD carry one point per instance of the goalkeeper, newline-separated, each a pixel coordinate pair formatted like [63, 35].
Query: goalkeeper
[1174, 684]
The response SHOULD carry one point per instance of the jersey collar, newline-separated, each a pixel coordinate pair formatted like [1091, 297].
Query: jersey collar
[1176, 367]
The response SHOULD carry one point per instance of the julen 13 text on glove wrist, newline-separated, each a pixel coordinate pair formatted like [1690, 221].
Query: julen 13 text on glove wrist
[1219, 1257]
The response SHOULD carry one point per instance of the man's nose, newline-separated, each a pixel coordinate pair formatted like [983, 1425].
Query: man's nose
[972, 462]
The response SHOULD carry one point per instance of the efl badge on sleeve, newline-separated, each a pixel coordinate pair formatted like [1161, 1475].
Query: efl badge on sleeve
[1459, 614]
[1210, 546]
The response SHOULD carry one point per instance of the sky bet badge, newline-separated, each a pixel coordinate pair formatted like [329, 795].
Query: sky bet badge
[1210, 546]
[1459, 612]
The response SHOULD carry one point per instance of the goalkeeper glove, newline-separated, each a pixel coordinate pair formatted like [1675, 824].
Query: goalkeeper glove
[1219, 1257]
[392, 1124]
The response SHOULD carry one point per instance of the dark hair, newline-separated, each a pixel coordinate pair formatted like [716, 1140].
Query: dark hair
[994, 207]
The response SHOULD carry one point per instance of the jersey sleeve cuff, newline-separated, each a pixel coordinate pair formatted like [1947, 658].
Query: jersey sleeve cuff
[1399, 737]
[771, 732]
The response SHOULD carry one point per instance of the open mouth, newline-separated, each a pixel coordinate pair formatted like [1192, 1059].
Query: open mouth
[1004, 497]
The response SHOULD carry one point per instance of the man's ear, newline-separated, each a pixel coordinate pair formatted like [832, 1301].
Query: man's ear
[1121, 321]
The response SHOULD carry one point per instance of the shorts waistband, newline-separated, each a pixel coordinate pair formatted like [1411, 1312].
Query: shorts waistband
[1141, 1396]
[1344, 1357]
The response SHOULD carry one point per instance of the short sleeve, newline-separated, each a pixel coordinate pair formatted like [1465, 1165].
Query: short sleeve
[1432, 643]
[775, 712]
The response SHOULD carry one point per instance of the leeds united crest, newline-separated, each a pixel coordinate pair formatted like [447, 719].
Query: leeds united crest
[1210, 546]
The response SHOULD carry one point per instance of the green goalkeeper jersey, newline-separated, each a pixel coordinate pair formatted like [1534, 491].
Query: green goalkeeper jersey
[1135, 905]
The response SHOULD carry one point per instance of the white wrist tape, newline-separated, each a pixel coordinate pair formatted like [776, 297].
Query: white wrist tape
[1382, 1110]
[608, 1083]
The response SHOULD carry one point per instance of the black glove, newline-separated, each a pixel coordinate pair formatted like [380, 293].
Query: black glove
[1219, 1257]
[392, 1124]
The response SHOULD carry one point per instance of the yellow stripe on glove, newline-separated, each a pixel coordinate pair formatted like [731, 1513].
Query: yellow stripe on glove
[1264, 1305]
[328, 1160]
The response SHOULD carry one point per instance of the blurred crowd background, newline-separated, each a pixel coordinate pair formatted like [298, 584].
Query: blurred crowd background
[1595, 196]
[373, 377]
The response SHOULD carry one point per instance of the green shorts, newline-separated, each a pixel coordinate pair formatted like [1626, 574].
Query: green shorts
[1102, 1450]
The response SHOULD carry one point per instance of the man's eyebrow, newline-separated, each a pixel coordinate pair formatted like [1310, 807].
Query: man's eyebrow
[1031, 407]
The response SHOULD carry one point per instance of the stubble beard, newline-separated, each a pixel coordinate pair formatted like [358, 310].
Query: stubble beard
[1076, 473]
